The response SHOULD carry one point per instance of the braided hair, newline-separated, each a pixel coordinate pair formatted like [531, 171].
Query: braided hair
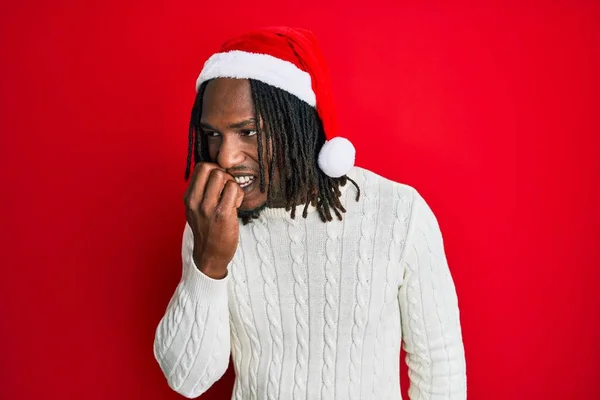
[295, 148]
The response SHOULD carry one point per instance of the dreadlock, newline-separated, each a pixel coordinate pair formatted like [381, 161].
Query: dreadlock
[296, 132]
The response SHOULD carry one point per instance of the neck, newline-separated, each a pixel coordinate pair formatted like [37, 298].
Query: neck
[279, 201]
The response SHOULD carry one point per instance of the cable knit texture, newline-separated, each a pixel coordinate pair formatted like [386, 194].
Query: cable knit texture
[313, 310]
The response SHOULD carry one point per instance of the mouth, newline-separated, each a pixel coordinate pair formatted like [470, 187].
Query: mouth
[245, 182]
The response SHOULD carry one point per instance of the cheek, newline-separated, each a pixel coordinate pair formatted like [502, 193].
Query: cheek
[266, 149]
[213, 149]
[250, 150]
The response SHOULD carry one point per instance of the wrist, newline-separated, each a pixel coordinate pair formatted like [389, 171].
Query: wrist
[210, 267]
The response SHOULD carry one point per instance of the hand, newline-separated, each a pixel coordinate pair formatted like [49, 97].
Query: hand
[211, 201]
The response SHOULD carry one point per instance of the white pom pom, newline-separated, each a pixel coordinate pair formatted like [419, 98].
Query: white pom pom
[336, 157]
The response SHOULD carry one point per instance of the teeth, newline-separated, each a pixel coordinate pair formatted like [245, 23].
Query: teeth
[244, 180]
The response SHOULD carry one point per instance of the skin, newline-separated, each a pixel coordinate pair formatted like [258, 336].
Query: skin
[229, 124]
[213, 197]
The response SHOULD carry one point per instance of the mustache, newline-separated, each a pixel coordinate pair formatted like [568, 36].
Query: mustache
[242, 168]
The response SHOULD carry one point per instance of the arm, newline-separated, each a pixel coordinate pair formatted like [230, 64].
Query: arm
[192, 339]
[429, 311]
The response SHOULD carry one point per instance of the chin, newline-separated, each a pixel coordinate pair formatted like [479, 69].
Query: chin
[247, 214]
[251, 207]
[254, 199]
[254, 202]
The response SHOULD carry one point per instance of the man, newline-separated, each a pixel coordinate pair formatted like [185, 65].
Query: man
[313, 302]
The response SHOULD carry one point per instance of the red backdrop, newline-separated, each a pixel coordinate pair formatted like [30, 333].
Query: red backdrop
[491, 112]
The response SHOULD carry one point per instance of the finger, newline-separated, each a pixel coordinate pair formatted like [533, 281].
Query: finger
[232, 196]
[196, 189]
[214, 188]
[240, 197]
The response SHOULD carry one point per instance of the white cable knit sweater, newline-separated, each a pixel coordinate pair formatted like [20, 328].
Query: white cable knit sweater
[313, 310]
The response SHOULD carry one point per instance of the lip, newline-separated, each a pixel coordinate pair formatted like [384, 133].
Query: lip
[239, 174]
[250, 187]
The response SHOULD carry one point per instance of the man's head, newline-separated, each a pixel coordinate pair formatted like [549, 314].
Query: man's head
[229, 132]
[269, 138]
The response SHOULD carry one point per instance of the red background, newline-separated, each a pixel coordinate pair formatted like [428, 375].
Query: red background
[491, 112]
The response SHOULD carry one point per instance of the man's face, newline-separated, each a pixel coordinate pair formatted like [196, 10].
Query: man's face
[231, 132]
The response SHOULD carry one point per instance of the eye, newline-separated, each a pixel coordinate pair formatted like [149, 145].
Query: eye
[211, 134]
[249, 133]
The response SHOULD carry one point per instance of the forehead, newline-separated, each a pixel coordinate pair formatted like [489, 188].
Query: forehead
[227, 99]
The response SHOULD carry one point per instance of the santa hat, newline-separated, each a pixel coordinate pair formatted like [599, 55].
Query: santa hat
[291, 60]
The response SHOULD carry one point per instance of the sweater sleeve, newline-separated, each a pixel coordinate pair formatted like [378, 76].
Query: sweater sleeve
[428, 302]
[192, 343]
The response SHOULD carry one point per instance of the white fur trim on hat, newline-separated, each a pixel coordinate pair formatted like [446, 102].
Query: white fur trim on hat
[336, 157]
[263, 67]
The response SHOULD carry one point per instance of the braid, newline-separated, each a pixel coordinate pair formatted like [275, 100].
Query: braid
[295, 132]
[199, 150]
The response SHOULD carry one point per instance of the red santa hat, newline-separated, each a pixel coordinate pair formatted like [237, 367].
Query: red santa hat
[289, 59]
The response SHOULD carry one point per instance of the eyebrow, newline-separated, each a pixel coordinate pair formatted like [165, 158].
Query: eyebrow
[242, 124]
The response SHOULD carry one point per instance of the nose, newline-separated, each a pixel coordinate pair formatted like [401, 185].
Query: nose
[230, 152]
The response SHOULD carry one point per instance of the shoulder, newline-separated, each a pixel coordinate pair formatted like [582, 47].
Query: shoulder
[400, 199]
[373, 185]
